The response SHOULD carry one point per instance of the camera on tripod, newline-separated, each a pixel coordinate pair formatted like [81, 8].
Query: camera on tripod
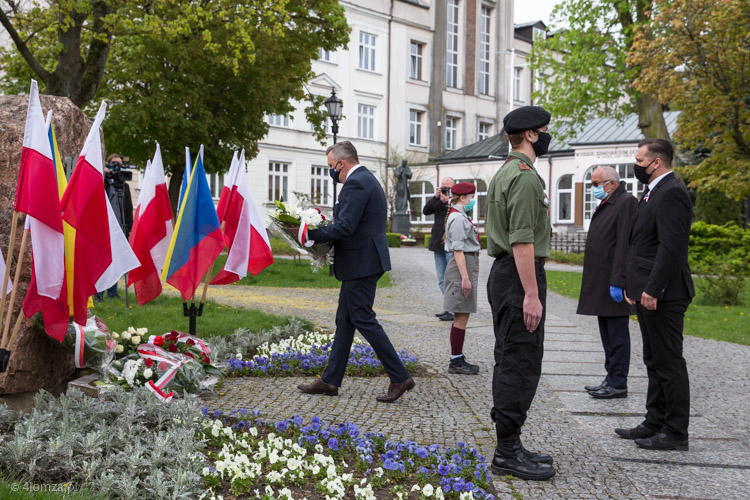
[120, 172]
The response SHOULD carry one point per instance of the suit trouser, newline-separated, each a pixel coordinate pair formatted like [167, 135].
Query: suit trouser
[668, 398]
[355, 313]
[616, 342]
[518, 352]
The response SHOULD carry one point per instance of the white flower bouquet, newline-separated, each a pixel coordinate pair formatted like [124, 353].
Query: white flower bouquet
[291, 222]
[92, 344]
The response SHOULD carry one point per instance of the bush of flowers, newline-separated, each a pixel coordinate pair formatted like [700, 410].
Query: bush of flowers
[308, 354]
[291, 458]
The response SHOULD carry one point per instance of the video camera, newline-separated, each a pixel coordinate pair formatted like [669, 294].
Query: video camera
[120, 172]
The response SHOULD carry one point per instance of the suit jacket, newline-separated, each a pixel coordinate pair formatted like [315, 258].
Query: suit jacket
[439, 209]
[358, 229]
[606, 255]
[658, 257]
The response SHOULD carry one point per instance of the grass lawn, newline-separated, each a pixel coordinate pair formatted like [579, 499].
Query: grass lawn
[164, 314]
[290, 273]
[703, 319]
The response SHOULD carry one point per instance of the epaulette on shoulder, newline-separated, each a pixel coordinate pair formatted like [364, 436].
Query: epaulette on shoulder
[523, 166]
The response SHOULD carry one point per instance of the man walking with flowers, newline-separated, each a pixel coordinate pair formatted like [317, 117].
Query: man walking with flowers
[361, 258]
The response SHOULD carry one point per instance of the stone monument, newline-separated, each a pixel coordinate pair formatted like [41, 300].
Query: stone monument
[36, 361]
[401, 219]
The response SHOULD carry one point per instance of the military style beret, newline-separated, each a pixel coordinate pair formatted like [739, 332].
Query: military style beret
[525, 118]
[463, 188]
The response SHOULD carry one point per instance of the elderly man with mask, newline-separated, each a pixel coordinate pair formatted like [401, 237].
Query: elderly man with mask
[604, 264]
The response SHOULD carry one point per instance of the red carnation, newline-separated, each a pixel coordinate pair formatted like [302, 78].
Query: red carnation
[158, 341]
[172, 348]
[149, 362]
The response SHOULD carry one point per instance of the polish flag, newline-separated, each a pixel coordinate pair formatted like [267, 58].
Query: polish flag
[152, 231]
[36, 196]
[249, 248]
[227, 190]
[100, 242]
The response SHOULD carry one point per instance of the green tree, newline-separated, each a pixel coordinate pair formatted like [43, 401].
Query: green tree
[584, 64]
[696, 57]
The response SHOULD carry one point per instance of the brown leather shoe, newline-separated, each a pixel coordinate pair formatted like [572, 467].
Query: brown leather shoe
[397, 390]
[319, 386]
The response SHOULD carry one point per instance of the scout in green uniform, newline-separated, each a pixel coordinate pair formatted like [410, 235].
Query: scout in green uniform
[518, 237]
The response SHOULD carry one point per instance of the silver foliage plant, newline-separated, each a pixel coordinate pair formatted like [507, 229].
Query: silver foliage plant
[245, 342]
[127, 445]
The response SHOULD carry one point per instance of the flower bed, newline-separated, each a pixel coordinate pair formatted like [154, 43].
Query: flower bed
[307, 354]
[291, 459]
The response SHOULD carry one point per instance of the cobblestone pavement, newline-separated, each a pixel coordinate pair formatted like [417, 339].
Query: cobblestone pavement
[591, 461]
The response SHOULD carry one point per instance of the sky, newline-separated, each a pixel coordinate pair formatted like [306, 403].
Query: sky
[533, 10]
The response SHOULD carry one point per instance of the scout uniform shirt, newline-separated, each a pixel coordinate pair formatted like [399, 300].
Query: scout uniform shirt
[517, 208]
[460, 232]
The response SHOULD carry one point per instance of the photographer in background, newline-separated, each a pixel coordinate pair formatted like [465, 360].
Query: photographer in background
[438, 206]
[116, 174]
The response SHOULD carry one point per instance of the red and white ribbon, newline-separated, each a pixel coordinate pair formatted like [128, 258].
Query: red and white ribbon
[159, 355]
[302, 235]
[80, 341]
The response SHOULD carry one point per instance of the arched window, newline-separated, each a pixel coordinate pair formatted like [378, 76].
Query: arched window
[480, 207]
[421, 192]
[565, 199]
[625, 170]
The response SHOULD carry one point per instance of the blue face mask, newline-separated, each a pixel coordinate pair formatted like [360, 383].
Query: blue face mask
[470, 205]
[334, 175]
[598, 192]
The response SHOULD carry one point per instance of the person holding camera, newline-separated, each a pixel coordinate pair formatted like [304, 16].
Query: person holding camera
[438, 206]
[116, 174]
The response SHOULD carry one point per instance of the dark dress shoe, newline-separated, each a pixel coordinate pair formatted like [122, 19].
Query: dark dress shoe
[639, 432]
[441, 313]
[448, 316]
[663, 442]
[512, 458]
[609, 392]
[397, 390]
[592, 388]
[319, 386]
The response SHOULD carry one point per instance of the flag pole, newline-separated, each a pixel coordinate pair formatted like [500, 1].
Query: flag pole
[6, 357]
[9, 262]
[4, 352]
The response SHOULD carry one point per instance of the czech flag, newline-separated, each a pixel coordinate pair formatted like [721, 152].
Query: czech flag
[152, 231]
[197, 238]
[244, 232]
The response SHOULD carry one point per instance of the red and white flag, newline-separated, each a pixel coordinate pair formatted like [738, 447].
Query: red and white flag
[101, 246]
[152, 231]
[227, 190]
[2, 271]
[249, 247]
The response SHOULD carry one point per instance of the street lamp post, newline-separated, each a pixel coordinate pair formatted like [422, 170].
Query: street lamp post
[334, 107]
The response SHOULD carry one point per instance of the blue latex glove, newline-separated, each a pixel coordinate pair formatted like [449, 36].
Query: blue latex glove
[616, 293]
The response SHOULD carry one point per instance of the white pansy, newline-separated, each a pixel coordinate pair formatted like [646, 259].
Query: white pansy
[238, 356]
[253, 432]
[439, 494]
[428, 490]
[415, 488]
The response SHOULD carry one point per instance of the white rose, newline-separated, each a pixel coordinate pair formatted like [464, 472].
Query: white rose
[125, 335]
[135, 339]
[115, 335]
[148, 373]
[119, 349]
[131, 330]
[141, 331]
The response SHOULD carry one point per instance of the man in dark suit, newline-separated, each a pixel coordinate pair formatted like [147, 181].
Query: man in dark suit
[660, 285]
[361, 257]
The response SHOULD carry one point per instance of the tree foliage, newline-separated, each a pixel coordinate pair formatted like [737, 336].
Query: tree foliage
[696, 57]
[584, 64]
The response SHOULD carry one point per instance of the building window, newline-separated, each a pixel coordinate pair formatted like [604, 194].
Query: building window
[415, 127]
[365, 121]
[517, 83]
[415, 71]
[479, 211]
[451, 132]
[484, 130]
[625, 171]
[565, 198]
[421, 193]
[278, 181]
[320, 185]
[367, 51]
[324, 55]
[451, 49]
[278, 120]
[484, 51]
[216, 183]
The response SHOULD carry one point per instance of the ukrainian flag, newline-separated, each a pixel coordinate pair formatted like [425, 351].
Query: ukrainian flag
[197, 239]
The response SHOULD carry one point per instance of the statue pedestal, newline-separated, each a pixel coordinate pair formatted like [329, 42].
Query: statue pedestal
[401, 224]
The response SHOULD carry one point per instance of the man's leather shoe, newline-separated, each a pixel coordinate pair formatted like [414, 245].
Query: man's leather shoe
[397, 390]
[609, 392]
[441, 313]
[663, 442]
[511, 458]
[448, 316]
[591, 388]
[319, 386]
[639, 432]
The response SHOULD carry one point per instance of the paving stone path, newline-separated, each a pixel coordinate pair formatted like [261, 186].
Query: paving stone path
[591, 461]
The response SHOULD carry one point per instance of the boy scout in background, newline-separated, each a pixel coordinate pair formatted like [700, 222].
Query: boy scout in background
[518, 237]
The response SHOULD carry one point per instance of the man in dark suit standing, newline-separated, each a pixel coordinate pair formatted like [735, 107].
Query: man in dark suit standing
[660, 285]
[361, 258]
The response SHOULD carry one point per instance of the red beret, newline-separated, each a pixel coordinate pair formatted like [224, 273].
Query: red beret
[463, 188]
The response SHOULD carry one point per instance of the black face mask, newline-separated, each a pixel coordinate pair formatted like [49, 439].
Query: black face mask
[641, 172]
[542, 145]
[334, 175]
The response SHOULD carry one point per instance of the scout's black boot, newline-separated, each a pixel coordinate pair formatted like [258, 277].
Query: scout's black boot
[539, 458]
[510, 459]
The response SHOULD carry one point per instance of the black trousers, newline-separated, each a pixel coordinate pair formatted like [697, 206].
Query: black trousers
[668, 398]
[355, 313]
[518, 352]
[616, 342]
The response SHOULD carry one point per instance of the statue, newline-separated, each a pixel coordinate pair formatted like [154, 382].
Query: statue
[402, 175]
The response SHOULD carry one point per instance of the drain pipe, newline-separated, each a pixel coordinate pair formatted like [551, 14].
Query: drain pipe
[388, 103]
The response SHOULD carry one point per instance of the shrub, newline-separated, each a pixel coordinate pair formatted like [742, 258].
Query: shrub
[427, 238]
[394, 239]
[566, 258]
[279, 246]
[722, 280]
[711, 244]
[483, 241]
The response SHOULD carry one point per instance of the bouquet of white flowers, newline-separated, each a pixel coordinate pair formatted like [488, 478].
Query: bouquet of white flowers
[292, 223]
[92, 344]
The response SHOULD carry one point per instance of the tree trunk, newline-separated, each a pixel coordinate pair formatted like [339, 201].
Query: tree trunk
[651, 118]
[175, 182]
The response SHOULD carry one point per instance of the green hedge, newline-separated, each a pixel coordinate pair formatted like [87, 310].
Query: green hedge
[711, 244]
[427, 239]
[394, 239]
[482, 240]
[566, 258]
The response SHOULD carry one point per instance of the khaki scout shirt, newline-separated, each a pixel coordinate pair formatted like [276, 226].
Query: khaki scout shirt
[517, 209]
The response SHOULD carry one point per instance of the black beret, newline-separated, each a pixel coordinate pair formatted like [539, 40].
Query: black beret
[463, 188]
[525, 118]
